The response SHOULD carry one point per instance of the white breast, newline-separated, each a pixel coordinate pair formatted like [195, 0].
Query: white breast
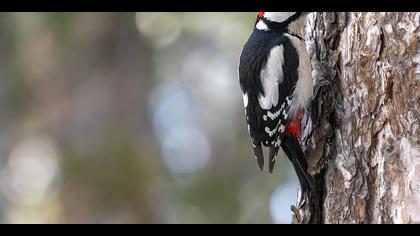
[271, 76]
[303, 90]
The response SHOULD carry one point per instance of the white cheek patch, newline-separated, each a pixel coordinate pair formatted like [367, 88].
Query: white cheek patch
[261, 26]
[271, 76]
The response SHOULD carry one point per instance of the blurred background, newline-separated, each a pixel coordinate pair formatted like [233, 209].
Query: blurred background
[130, 118]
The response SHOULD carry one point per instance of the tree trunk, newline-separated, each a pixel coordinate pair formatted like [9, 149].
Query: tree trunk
[364, 148]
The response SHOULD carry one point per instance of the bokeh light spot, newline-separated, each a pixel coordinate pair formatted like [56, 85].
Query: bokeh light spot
[283, 197]
[185, 147]
[31, 172]
[160, 28]
[185, 150]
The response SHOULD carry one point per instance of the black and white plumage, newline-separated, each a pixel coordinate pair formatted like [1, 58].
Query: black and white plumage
[275, 78]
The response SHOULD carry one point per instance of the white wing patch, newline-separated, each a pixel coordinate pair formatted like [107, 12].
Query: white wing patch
[271, 76]
[303, 91]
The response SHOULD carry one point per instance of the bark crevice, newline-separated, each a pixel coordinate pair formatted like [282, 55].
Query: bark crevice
[362, 133]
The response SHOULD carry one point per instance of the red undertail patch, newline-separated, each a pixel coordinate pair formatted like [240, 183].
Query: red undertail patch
[294, 128]
[261, 13]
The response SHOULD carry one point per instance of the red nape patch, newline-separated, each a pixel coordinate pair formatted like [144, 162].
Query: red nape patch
[294, 128]
[261, 13]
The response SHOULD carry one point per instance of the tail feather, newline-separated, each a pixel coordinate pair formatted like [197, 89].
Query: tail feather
[259, 156]
[294, 153]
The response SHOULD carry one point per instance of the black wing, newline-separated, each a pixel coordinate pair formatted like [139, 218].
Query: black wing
[266, 127]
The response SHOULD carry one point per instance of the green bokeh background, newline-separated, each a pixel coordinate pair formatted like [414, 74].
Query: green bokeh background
[80, 84]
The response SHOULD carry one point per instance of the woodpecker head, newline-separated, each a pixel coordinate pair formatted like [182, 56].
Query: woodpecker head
[291, 21]
[279, 17]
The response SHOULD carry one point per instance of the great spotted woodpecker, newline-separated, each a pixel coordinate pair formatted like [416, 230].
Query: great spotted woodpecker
[275, 76]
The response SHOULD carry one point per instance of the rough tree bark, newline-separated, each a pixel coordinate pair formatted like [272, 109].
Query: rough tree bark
[363, 133]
